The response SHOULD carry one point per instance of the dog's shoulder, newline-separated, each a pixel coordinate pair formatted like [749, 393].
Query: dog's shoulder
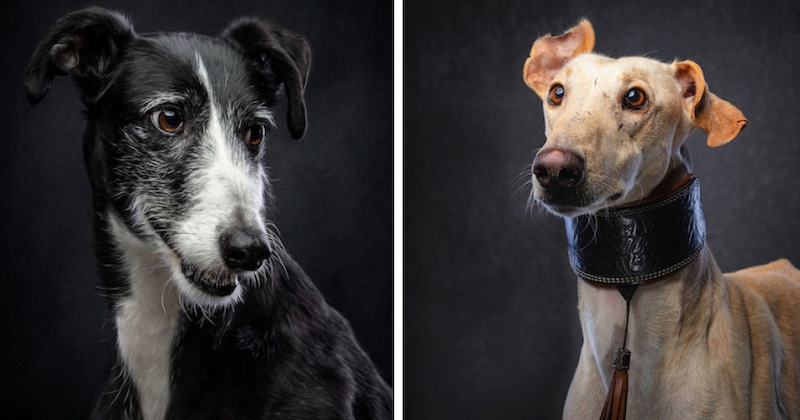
[775, 286]
[293, 352]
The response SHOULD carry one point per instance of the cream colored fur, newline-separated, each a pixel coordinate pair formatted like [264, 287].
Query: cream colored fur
[705, 345]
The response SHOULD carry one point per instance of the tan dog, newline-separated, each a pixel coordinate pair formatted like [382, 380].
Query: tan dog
[705, 345]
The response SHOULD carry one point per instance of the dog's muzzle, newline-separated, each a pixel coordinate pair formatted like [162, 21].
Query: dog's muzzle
[242, 251]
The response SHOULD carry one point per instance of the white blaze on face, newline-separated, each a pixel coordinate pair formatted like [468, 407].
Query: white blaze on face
[226, 190]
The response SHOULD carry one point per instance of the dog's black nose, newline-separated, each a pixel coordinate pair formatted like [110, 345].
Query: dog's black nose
[558, 168]
[244, 249]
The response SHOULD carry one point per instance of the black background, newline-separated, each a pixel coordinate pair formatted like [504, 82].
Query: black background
[491, 326]
[334, 191]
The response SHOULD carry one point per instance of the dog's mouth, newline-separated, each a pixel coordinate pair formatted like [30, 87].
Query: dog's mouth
[572, 204]
[214, 282]
[562, 207]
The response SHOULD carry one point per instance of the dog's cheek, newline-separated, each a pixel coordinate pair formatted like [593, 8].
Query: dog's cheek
[658, 150]
[148, 179]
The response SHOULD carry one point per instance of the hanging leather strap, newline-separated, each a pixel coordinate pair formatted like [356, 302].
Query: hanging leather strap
[617, 397]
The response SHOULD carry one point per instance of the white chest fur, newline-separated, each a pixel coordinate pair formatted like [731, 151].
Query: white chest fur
[146, 322]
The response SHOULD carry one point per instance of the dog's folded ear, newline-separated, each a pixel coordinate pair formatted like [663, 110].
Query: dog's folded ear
[549, 54]
[84, 44]
[721, 121]
[275, 49]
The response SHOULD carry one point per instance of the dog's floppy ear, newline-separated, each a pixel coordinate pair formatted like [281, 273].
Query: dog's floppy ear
[550, 53]
[717, 117]
[269, 45]
[84, 44]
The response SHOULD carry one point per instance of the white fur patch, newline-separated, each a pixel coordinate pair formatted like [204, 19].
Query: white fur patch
[265, 115]
[146, 320]
[160, 99]
[227, 189]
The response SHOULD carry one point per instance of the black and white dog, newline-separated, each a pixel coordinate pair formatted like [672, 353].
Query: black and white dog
[213, 318]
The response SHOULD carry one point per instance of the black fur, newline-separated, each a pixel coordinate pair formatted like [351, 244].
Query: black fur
[281, 352]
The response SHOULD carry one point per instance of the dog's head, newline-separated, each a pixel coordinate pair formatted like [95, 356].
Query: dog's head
[177, 125]
[615, 127]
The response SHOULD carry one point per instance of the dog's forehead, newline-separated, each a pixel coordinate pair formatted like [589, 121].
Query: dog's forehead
[602, 70]
[186, 64]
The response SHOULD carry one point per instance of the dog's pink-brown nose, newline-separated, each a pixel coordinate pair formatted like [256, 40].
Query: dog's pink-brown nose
[558, 168]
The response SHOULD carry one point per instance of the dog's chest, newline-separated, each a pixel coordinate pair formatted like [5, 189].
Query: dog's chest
[671, 369]
[146, 321]
[145, 334]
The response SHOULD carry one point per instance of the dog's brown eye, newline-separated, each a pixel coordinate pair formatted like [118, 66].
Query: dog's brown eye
[556, 95]
[255, 135]
[168, 120]
[634, 99]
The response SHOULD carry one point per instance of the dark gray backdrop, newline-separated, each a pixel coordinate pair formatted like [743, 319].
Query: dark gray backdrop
[334, 191]
[491, 328]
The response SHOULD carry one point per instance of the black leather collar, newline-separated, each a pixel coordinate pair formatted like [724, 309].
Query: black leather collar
[638, 244]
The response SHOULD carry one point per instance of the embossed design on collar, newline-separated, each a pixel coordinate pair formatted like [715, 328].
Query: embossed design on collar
[638, 244]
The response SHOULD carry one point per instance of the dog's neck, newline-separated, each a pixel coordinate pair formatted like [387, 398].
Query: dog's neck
[662, 306]
[639, 244]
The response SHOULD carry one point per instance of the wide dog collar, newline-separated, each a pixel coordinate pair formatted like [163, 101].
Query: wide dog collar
[638, 244]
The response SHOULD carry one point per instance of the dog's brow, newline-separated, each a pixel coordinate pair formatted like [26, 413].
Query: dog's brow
[161, 99]
[265, 115]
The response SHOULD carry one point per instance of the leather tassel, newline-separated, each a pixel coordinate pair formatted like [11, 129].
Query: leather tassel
[617, 398]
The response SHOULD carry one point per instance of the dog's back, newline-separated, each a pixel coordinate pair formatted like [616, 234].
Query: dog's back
[769, 295]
